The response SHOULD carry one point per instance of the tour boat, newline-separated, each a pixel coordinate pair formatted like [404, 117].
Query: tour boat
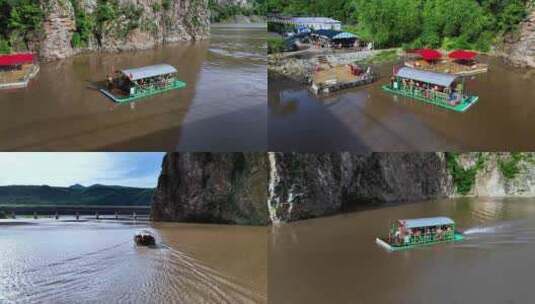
[440, 89]
[132, 84]
[144, 238]
[410, 233]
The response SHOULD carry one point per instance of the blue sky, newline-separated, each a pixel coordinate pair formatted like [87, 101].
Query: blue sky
[65, 169]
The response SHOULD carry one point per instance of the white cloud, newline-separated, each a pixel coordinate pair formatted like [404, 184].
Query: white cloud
[65, 169]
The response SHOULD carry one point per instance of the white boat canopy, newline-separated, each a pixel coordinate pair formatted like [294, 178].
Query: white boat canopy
[427, 222]
[149, 71]
[440, 79]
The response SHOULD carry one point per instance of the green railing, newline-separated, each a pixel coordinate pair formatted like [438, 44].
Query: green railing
[430, 95]
[431, 238]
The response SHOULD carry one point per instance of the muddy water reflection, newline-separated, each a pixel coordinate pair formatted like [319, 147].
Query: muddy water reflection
[96, 262]
[367, 118]
[336, 260]
[224, 100]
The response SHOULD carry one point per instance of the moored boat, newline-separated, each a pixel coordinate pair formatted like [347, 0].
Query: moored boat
[410, 233]
[144, 238]
[440, 89]
[132, 84]
[16, 70]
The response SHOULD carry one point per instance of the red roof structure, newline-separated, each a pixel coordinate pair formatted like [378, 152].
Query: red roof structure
[14, 59]
[462, 55]
[429, 54]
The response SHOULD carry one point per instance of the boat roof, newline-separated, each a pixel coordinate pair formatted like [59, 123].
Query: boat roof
[149, 71]
[440, 79]
[427, 222]
[313, 20]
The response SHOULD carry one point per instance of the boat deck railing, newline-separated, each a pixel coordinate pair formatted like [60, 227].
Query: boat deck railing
[430, 238]
[433, 95]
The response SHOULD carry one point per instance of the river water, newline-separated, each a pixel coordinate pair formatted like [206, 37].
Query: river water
[225, 100]
[368, 119]
[335, 259]
[48, 261]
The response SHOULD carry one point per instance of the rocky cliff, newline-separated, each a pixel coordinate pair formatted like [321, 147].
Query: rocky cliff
[212, 187]
[305, 185]
[262, 188]
[72, 26]
[520, 47]
[500, 174]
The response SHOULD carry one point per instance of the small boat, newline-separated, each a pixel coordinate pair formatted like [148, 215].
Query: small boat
[144, 238]
[440, 89]
[410, 233]
[132, 84]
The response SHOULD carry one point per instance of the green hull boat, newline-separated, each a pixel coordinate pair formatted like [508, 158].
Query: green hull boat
[383, 243]
[412, 233]
[175, 85]
[137, 83]
[439, 89]
[464, 105]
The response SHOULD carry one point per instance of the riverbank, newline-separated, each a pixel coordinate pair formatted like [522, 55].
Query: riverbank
[300, 65]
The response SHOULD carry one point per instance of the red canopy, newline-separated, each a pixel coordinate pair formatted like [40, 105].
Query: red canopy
[14, 59]
[429, 54]
[462, 55]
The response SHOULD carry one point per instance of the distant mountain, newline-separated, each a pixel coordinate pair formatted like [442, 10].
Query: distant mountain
[75, 195]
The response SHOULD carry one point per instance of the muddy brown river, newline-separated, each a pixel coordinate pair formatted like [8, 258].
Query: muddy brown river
[48, 261]
[336, 260]
[368, 119]
[223, 107]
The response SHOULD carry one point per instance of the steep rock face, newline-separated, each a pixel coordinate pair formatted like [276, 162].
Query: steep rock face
[521, 52]
[490, 181]
[182, 20]
[58, 27]
[212, 187]
[139, 24]
[303, 185]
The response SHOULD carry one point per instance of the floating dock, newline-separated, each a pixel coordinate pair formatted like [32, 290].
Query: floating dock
[19, 78]
[340, 77]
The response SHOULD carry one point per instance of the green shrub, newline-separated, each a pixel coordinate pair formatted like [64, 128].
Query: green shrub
[463, 179]
[509, 167]
[84, 26]
[166, 4]
[4, 47]
[275, 45]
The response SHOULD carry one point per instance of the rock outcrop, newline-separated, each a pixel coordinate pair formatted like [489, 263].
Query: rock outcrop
[58, 26]
[263, 188]
[304, 185]
[136, 25]
[520, 51]
[212, 187]
[490, 180]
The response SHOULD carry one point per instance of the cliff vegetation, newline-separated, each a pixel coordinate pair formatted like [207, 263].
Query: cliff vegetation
[60, 28]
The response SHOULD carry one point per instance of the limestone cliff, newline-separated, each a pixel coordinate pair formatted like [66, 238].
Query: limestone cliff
[212, 187]
[72, 26]
[520, 48]
[303, 185]
[501, 174]
[262, 188]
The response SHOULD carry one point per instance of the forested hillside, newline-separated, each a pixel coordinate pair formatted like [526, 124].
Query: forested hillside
[221, 10]
[470, 24]
[75, 195]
